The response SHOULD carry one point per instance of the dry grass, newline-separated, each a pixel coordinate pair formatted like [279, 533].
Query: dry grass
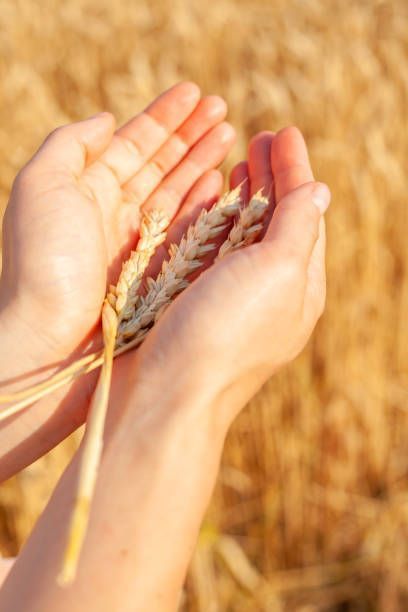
[314, 484]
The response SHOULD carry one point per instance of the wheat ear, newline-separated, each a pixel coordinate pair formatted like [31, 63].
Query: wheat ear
[92, 450]
[184, 259]
[124, 296]
[248, 225]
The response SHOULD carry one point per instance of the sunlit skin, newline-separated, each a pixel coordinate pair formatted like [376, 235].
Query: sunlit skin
[73, 216]
[173, 400]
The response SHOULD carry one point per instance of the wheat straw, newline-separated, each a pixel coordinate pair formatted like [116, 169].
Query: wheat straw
[82, 366]
[92, 450]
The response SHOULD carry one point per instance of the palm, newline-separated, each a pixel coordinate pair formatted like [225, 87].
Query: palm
[78, 216]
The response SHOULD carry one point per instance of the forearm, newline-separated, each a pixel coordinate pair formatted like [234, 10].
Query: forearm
[42, 425]
[157, 472]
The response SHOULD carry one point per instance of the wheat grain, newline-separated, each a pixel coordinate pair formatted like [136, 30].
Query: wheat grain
[124, 296]
[247, 227]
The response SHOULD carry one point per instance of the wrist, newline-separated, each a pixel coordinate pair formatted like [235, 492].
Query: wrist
[171, 445]
[180, 391]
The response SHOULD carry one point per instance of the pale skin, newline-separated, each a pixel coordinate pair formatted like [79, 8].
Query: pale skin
[174, 399]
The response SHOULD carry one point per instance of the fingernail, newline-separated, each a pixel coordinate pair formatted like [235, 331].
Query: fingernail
[321, 197]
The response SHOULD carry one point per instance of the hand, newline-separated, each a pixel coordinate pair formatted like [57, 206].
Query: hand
[254, 311]
[75, 208]
[72, 218]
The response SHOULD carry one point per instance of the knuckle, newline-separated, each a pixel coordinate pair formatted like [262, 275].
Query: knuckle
[130, 146]
[62, 134]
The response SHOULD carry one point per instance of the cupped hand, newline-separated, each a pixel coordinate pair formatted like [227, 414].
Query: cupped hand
[253, 311]
[75, 208]
[72, 218]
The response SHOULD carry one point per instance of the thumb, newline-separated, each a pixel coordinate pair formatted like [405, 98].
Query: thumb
[295, 221]
[71, 147]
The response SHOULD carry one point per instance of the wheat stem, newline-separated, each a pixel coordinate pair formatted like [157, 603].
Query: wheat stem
[80, 367]
[92, 450]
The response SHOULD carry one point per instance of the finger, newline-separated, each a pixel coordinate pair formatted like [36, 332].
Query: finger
[209, 152]
[209, 112]
[140, 138]
[240, 176]
[259, 163]
[70, 148]
[203, 194]
[289, 161]
[315, 295]
[295, 223]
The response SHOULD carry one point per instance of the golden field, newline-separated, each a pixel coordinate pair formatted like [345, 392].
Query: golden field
[311, 508]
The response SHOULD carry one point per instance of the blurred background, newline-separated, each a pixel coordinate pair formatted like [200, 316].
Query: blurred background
[311, 507]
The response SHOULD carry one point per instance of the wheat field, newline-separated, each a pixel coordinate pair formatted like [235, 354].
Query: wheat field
[310, 512]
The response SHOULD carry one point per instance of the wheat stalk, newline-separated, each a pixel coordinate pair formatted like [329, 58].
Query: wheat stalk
[92, 450]
[81, 366]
